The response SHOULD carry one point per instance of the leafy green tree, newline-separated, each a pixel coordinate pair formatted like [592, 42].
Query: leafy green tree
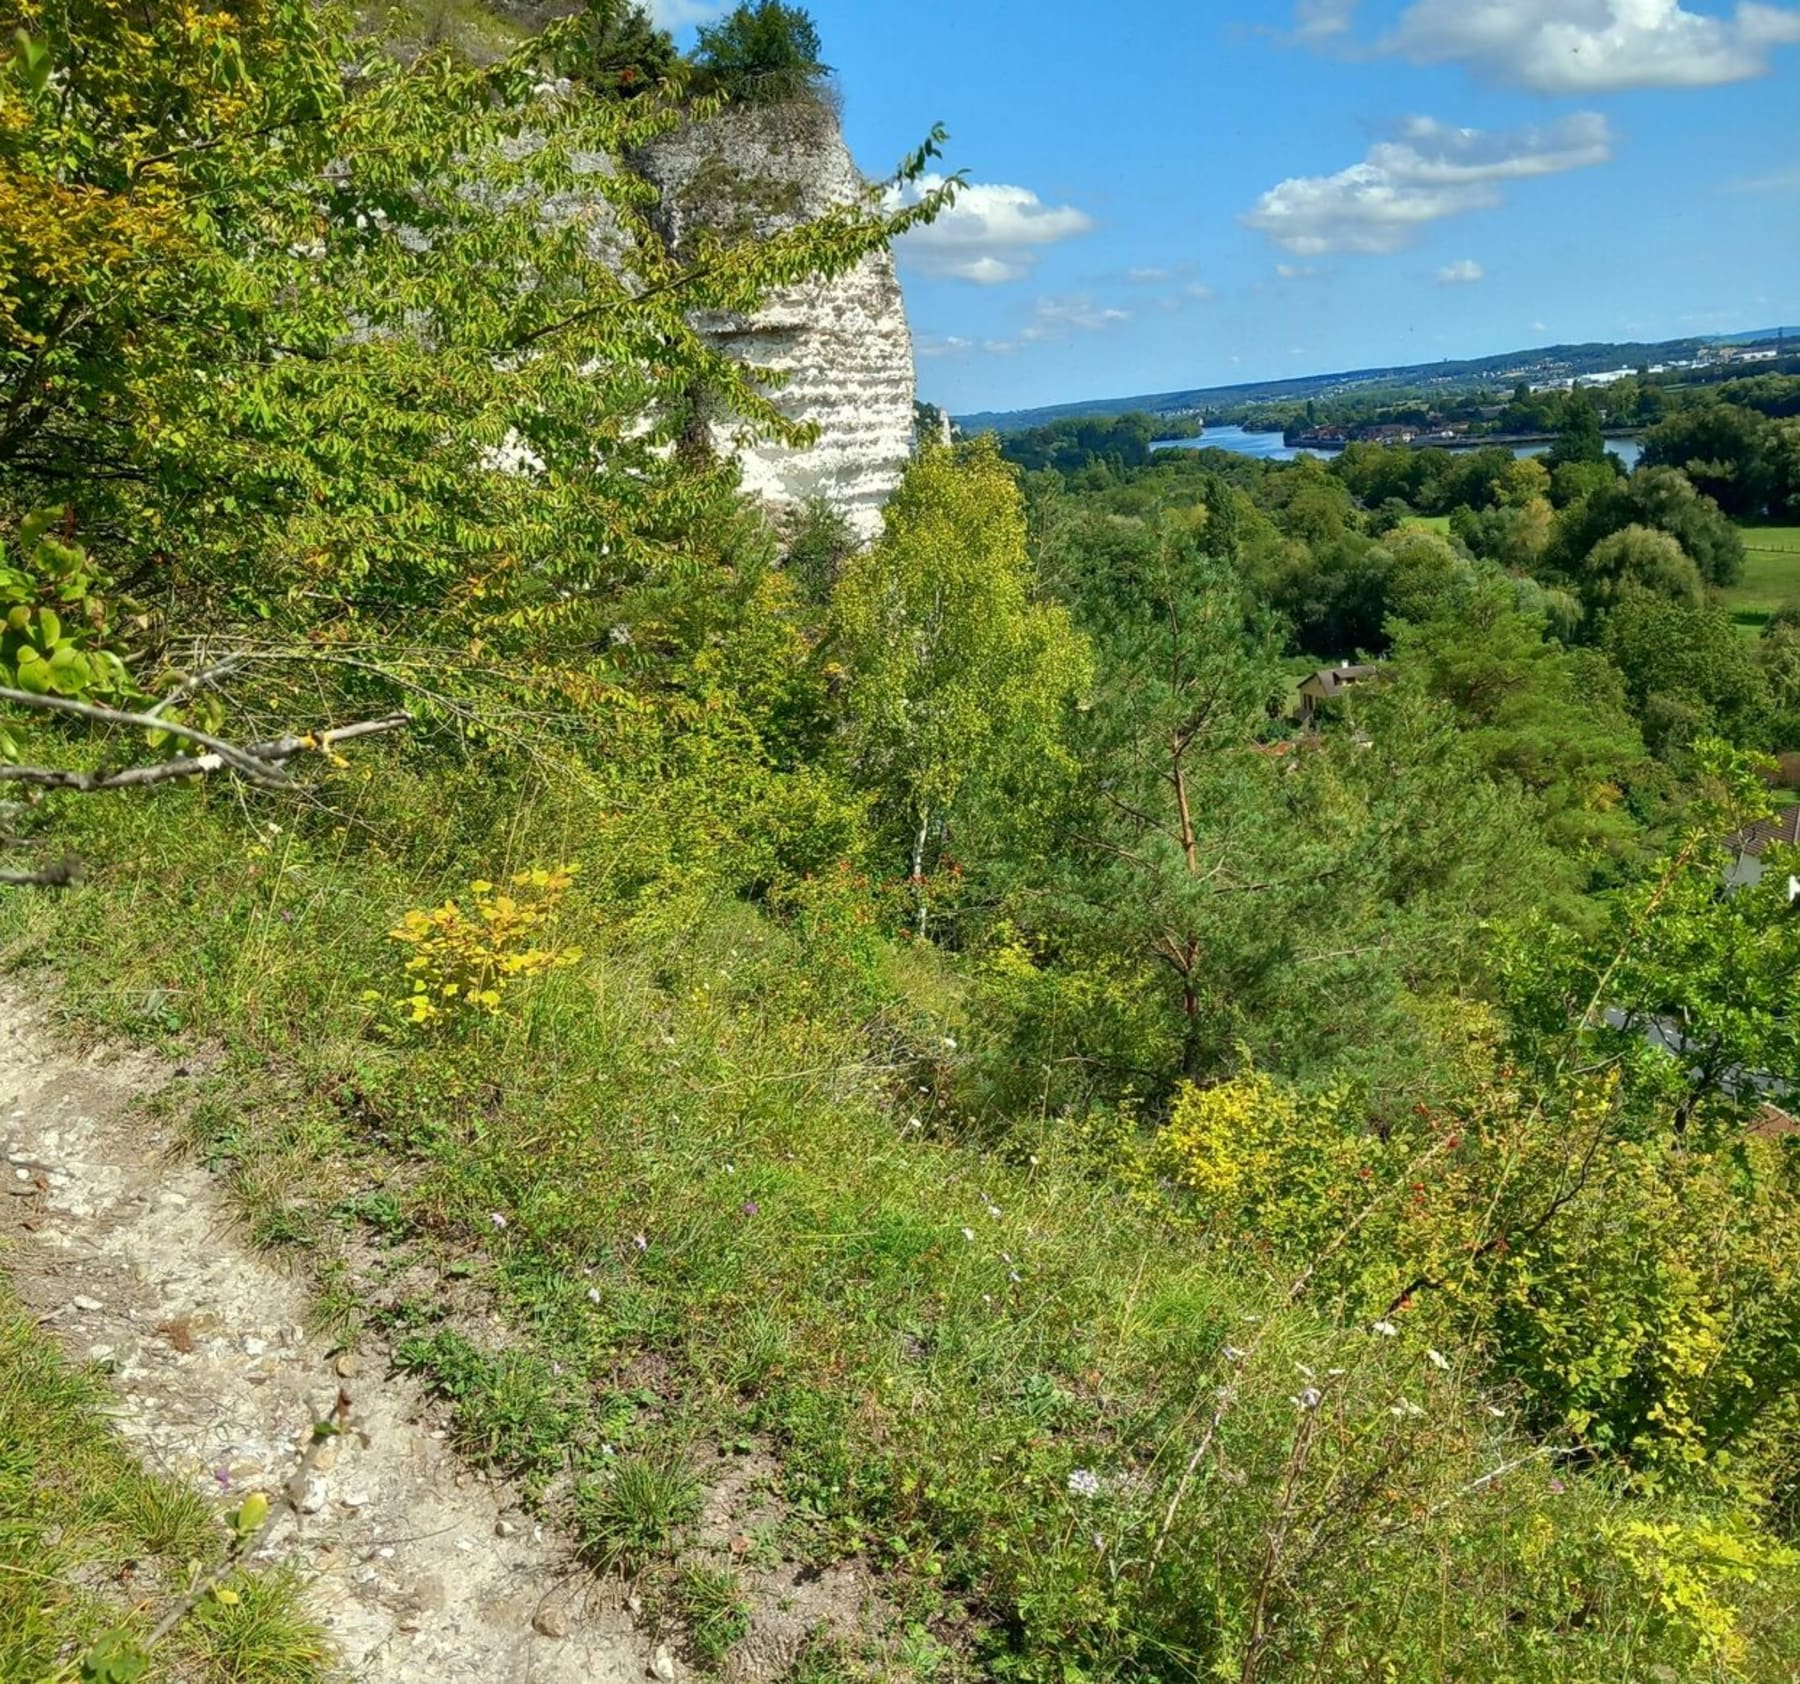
[762, 53]
[1638, 558]
[1545, 720]
[1688, 673]
[619, 50]
[1779, 471]
[1778, 653]
[1218, 884]
[1578, 437]
[1719, 447]
[1516, 536]
[959, 677]
[1660, 498]
[1575, 482]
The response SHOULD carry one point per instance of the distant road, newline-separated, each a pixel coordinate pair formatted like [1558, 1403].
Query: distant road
[1665, 1036]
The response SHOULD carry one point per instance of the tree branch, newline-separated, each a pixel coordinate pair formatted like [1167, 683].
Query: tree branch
[96, 715]
[261, 758]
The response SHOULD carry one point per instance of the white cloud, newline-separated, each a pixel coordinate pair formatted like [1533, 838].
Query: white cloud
[1317, 22]
[1149, 277]
[991, 234]
[1463, 273]
[678, 14]
[1594, 46]
[1430, 172]
[1056, 318]
[944, 345]
[1540, 327]
[1294, 271]
[1778, 181]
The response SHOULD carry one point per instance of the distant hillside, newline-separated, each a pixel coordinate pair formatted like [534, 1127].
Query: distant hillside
[1553, 362]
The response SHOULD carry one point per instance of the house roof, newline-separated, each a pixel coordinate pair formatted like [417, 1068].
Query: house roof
[1754, 839]
[1772, 1123]
[1332, 680]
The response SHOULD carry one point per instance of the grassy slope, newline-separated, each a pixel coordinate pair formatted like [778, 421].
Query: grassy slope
[1771, 580]
[708, 1177]
[89, 1542]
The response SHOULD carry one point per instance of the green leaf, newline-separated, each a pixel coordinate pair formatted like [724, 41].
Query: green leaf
[114, 1658]
[33, 671]
[251, 1515]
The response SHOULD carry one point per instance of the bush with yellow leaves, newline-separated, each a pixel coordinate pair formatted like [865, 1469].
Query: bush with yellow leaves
[468, 962]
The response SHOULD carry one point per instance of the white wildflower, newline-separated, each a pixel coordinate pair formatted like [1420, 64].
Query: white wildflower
[1386, 1329]
[1311, 1398]
[1084, 1482]
[1437, 1359]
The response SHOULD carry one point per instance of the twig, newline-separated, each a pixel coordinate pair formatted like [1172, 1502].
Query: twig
[230, 754]
[257, 761]
[58, 876]
[192, 686]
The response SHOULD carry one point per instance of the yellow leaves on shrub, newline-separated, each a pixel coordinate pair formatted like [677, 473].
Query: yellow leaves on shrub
[468, 962]
[1691, 1571]
[1266, 1159]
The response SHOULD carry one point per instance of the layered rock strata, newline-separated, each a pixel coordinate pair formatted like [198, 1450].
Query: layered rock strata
[844, 345]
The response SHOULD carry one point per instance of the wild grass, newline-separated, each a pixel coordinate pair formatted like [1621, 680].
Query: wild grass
[716, 1182]
[90, 1543]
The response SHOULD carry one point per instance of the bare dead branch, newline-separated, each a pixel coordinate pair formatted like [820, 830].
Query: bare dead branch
[262, 759]
[58, 876]
[231, 755]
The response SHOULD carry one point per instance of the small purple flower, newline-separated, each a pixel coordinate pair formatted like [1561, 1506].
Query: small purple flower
[1557, 1488]
[751, 1207]
[223, 1476]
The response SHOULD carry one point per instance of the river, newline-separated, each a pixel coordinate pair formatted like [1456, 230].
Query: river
[1270, 448]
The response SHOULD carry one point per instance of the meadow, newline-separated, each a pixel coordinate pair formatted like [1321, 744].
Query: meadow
[1771, 580]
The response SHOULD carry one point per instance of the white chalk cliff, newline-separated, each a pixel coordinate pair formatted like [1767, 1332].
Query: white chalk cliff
[844, 344]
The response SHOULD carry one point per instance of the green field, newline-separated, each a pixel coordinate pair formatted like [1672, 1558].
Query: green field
[1771, 580]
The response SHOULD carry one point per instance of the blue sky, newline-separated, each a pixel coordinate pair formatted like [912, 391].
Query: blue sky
[1174, 193]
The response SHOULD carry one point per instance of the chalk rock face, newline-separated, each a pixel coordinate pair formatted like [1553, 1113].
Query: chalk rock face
[844, 344]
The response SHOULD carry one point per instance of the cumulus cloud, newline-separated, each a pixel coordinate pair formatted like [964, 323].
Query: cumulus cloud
[992, 233]
[1431, 171]
[1464, 273]
[1591, 46]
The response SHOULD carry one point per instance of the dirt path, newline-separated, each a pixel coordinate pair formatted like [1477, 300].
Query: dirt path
[421, 1573]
